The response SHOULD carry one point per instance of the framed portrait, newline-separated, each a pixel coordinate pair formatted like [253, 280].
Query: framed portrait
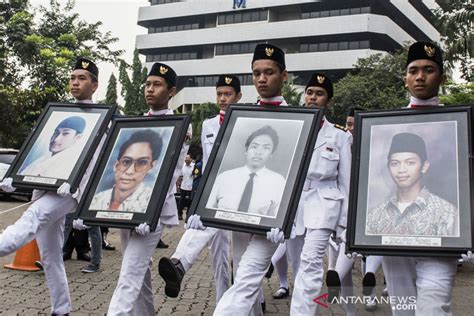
[60, 146]
[255, 173]
[411, 183]
[132, 177]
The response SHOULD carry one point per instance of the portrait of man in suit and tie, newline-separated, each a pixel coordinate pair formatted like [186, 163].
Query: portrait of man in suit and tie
[252, 188]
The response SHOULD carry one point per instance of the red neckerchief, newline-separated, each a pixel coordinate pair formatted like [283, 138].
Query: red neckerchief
[274, 103]
[221, 117]
[322, 123]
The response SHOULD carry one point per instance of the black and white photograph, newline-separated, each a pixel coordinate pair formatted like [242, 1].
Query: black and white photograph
[132, 177]
[399, 200]
[60, 145]
[260, 156]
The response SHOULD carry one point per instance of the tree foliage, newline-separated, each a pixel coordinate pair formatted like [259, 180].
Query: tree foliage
[458, 94]
[132, 89]
[111, 94]
[454, 21]
[201, 113]
[37, 52]
[375, 83]
[290, 93]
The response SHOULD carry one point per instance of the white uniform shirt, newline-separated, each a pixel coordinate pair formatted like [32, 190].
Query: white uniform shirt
[187, 173]
[229, 187]
[209, 131]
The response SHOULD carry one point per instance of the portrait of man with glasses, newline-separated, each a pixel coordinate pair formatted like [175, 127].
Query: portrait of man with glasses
[136, 159]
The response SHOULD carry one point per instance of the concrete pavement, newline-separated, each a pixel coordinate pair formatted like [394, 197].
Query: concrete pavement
[25, 293]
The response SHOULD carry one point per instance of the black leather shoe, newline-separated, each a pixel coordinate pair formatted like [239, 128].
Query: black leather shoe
[334, 285]
[162, 245]
[66, 256]
[107, 246]
[172, 271]
[264, 306]
[368, 283]
[84, 257]
[281, 293]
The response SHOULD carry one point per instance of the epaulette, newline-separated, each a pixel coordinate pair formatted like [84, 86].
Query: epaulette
[341, 127]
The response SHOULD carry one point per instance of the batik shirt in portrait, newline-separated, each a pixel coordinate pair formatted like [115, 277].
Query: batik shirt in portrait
[428, 215]
[137, 202]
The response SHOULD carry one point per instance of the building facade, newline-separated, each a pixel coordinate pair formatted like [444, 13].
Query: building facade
[201, 39]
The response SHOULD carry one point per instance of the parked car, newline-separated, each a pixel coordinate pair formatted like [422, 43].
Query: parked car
[7, 155]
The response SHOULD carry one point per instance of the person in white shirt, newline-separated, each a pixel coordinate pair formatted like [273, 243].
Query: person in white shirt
[186, 185]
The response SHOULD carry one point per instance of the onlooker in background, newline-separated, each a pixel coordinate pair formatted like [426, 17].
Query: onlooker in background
[186, 185]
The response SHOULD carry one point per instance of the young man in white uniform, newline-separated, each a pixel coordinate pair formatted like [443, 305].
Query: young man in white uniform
[430, 280]
[324, 200]
[44, 219]
[133, 294]
[193, 241]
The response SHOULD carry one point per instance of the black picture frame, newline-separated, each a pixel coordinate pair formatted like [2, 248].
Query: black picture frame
[297, 130]
[40, 164]
[150, 188]
[438, 223]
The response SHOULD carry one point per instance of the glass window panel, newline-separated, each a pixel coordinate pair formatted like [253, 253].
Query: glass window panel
[345, 11]
[343, 45]
[170, 57]
[333, 46]
[149, 58]
[245, 48]
[187, 26]
[323, 47]
[235, 48]
[219, 49]
[193, 55]
[304, 48]
[365, 10]
[221, 19]
[255, 16]
[185, 55]
[364, 44]
[238, 18]
[195, 26]
[229, 18]
[208, 81]
[324, 14]
[200, 81]
[354, 45]
[313, 47]
[334, 12]
[227, 49]
[305, 15]
[355, 10]
[263, 15]
[246, 17]
[165, 28]
[180, 27]
[173, 28]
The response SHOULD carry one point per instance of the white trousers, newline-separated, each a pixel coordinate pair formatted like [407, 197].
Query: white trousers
[194, 241]
[133, 294]
[310, 276]
[429, 280]
[257, 253]
[44, 220]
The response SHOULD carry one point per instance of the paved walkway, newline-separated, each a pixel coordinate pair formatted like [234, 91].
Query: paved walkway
[25, 293]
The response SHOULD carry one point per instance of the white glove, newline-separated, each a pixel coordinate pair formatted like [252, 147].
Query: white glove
[468, 257]
[276, 236]
[6, 185]
[339, 236]
[64, 190]
[143, 229]
[353, 255]
[194, 222]
[79, 224]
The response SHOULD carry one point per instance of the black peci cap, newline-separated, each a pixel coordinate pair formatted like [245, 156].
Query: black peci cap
[269, 51]
[320, 80]
[86, 64]
[408, 143]
[352, 109]
[425, 50]
[164, 71]
[229, 81]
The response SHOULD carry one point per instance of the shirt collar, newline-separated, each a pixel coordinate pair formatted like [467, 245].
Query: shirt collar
[159, 112]
[434, 101]
[420, 201]
[84, 101]
[275, 99]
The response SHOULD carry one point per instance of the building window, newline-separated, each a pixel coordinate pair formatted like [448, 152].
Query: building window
[172, 56]
[235, 48]
[156, 2]
[333, 46]
[242, 17]
[335, 12]
[173, 28]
